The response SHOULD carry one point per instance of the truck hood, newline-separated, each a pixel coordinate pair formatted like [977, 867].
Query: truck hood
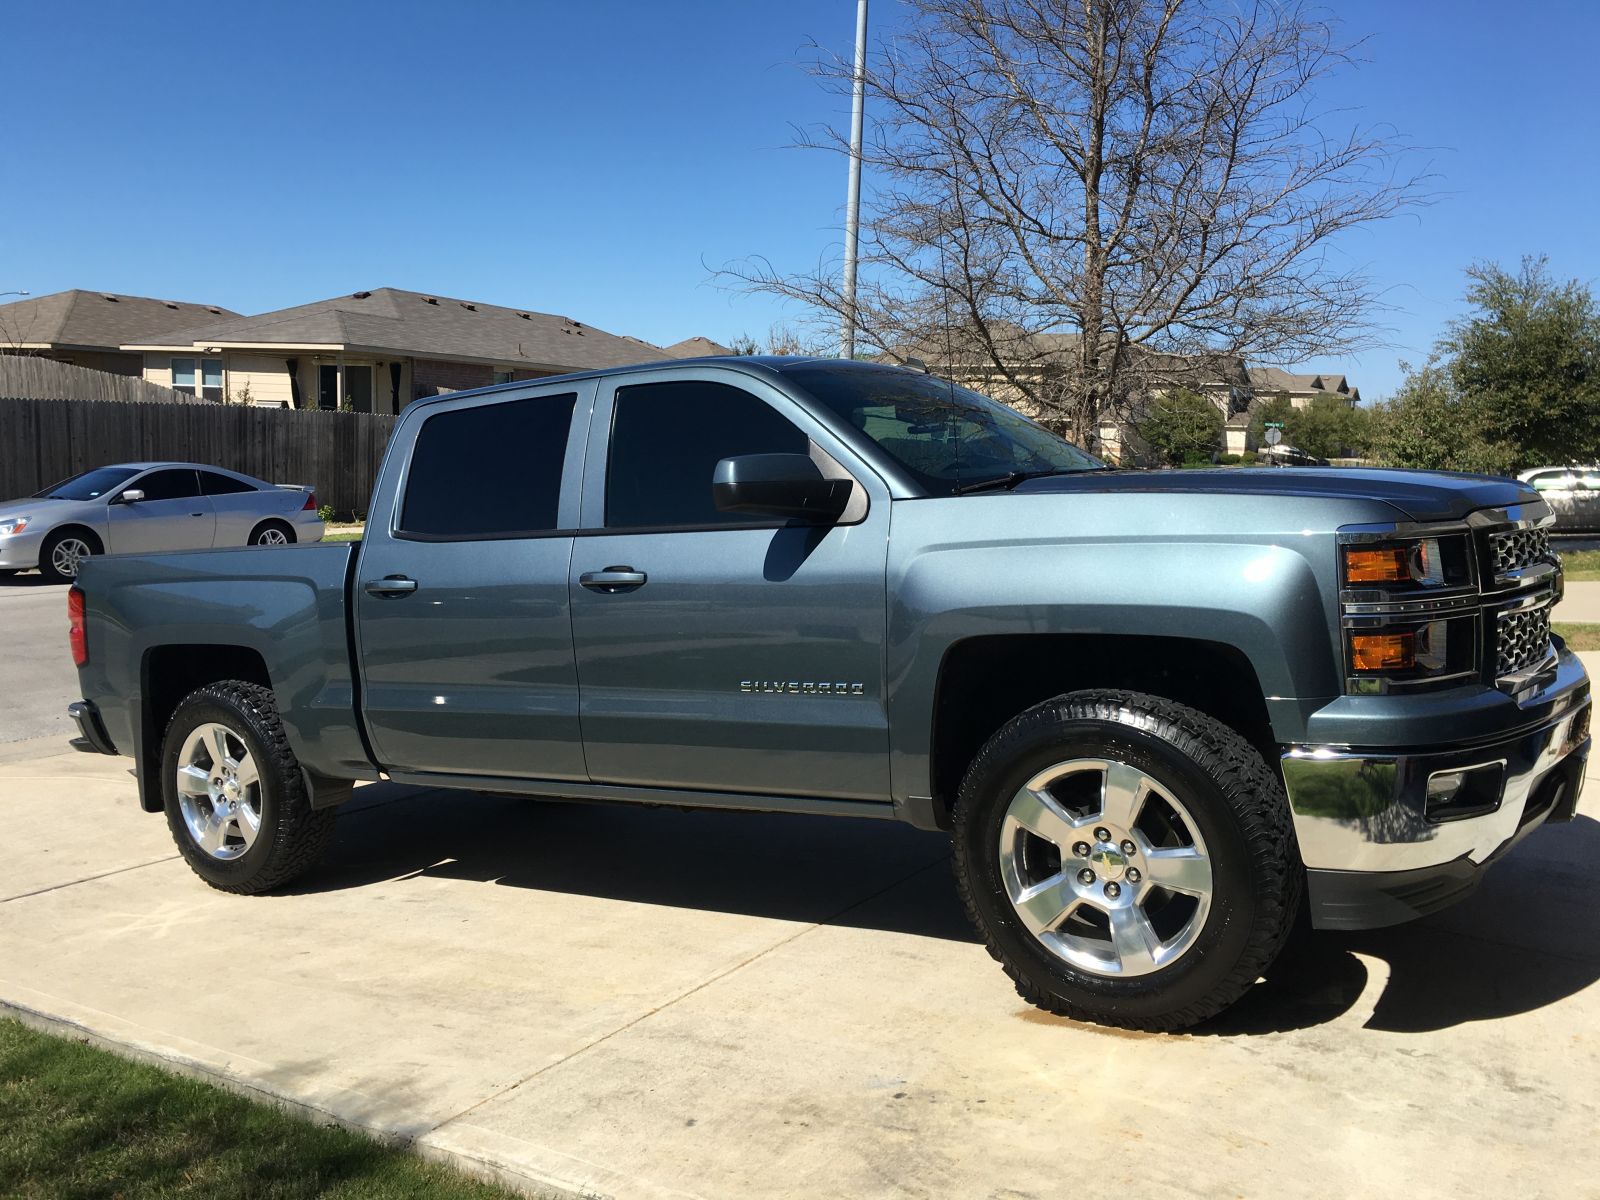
[1420, 495]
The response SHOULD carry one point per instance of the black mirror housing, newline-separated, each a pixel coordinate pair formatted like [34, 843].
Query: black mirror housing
[778, 485]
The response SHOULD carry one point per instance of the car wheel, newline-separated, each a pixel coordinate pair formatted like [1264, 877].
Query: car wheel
[234, 796]
[63, 553]
[1128, 860]
[272, 533]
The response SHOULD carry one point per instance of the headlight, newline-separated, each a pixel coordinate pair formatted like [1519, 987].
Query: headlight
[10, 525]
[1409, 608]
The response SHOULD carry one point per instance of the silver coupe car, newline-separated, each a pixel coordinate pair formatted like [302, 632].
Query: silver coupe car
[134, 508]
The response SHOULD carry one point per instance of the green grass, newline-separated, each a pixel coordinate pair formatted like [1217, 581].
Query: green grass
[76, 1122]
[351, 536]
[1578, 637]
[1581, 565]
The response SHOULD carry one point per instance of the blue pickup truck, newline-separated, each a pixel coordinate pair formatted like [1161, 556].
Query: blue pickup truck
[1164, 716]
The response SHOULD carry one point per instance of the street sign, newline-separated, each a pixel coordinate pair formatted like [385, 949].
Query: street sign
[1274, 435]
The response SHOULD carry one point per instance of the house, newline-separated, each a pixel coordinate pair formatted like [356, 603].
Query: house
[697, 347]
[88, 329]
[377, 351]
[1269, 383]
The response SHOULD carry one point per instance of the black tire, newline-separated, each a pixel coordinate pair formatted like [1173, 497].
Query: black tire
[292, 835]
[48, 569]
[262, 529]
[1233, 797]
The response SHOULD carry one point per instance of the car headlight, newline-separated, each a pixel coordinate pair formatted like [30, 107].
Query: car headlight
[10, 525]
[1409, 608]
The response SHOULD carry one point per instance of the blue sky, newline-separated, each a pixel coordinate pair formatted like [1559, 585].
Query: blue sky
[592, 157]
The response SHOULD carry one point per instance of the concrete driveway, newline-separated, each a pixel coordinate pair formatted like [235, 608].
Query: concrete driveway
[37, 678]
[625, 1002]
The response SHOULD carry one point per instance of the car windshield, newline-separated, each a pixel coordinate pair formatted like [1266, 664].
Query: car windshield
[949, 439]
[91, 485]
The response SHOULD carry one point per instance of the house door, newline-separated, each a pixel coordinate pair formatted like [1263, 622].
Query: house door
[358, 388]
[328, 385]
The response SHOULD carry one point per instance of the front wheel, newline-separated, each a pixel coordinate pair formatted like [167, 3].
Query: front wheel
[1128, 860]
[233, 793]
[63, 553]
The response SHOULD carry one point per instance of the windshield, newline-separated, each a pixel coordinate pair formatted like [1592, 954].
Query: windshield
[91, 485]
[946, 437]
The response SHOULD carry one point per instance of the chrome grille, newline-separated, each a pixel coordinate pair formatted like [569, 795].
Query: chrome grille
[1523, 639]
[1518, 548]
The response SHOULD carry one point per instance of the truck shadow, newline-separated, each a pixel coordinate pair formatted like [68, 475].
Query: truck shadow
[1529, 936]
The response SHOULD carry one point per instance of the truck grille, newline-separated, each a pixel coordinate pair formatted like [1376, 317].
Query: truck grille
[1519, 548]
[1522, 639]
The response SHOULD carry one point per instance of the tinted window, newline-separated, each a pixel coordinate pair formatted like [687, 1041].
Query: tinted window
[945, 436]
[91, 485]
[666, 440]
[493, 469]
[1552, 481]
[168, 485]
[213, 484]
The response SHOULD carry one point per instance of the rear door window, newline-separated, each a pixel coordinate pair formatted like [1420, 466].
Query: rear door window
[493, 470]
[666, 441]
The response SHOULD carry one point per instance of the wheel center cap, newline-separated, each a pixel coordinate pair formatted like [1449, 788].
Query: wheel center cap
[1108, 861]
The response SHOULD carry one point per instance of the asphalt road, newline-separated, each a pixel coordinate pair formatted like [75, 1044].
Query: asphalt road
[37, 678]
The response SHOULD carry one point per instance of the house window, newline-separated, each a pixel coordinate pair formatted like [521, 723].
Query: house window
[184, 372]
[503, 376]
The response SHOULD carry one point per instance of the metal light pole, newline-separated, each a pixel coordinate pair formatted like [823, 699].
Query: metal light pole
[852, 207]
[16, 293]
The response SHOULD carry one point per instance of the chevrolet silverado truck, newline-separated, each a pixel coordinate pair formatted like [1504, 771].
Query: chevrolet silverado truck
[1164, 716]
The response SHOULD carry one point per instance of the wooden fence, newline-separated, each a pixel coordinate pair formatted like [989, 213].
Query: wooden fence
[337, 453]
[46, 379]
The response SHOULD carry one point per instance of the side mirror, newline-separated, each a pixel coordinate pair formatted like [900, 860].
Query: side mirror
[131, 496]
[778, 485]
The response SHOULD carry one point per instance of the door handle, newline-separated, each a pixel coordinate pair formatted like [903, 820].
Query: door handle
[613, 579]
[197, 514]
[390, 585]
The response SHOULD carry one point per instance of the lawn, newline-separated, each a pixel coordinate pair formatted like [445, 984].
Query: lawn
[79, 1122]
[1578, 637]
[1581, 564]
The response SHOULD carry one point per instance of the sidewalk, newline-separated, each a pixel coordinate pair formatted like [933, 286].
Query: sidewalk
[1580, 605]
[606, 1001]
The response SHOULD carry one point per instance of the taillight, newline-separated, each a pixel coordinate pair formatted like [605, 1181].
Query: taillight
[77, 635]
[311, 503]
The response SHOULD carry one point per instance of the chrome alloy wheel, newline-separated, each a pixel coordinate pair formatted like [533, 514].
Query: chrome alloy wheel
[272, 537]
[1105, 867]
[219, 791]
[68, 554]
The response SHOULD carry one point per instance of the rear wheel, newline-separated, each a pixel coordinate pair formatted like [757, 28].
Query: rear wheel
[1128, 860]
[233, 793]
[63, 553]
[272, 533]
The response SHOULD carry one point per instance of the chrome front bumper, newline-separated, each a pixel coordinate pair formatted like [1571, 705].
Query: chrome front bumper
[1374, 853]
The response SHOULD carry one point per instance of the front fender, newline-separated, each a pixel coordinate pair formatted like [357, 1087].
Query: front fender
[1264, 598]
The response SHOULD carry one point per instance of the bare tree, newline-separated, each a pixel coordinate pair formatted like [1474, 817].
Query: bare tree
[1083, 199]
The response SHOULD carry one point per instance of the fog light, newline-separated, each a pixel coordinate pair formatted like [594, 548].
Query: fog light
[1443, 787]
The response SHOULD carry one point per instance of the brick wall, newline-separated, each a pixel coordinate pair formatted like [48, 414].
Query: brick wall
[431, 376]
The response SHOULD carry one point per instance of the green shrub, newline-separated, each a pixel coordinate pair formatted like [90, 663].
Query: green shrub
[1229, 460]
[325, 513]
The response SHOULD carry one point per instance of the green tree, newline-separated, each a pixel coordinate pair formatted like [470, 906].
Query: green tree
[1527, 361]
[1429, 424]
[1328, 427]
[1182, 426]
[1276, 409]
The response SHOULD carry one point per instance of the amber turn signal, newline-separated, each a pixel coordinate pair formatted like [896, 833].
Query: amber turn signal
[1383, 651]
[1389, 564]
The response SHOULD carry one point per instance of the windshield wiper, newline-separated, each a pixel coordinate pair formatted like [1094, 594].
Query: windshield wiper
[1011, 479]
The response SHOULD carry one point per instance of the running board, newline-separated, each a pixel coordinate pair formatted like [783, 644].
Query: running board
[562, 789]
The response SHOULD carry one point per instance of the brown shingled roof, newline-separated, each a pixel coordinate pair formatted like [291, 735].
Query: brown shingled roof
[83, 320]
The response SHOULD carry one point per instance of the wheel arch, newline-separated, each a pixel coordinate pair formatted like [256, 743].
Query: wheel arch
[167, 674]
[985, 681]
[286, 525]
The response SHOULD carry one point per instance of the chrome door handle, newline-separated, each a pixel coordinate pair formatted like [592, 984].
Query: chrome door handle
[390, 585]
[613, 579]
